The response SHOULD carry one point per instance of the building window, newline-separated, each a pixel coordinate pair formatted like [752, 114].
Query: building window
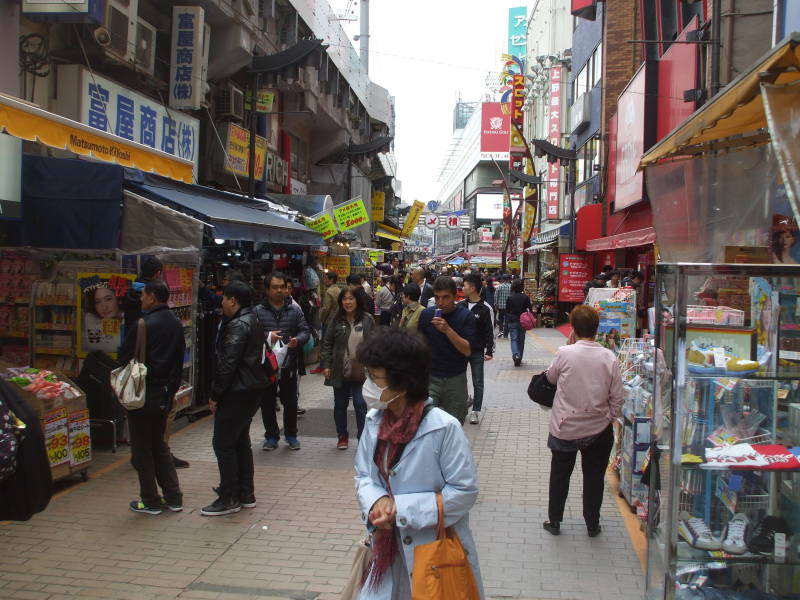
[597, 65]
[582, 82]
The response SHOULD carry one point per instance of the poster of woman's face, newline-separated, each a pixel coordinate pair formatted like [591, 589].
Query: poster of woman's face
[785, 249]
[100, 311]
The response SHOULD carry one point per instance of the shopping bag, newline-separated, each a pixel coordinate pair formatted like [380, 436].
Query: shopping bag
[361, 560]
[281, 352]
[128, 381]
[527, 321]
[441, 568]
[541, 391]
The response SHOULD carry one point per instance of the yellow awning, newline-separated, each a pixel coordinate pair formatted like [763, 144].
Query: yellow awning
[736, 110]
[389, 236]
[29, 122]
[388, 228]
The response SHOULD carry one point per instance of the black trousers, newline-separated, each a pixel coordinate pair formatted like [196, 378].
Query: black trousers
[594, 461]
[231, 442]
[152, 459]
[286, 390]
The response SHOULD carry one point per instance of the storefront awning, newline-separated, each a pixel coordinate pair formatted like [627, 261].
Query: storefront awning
[736, 110]
[229, 214]
[29, 122]
[550, 232]
[388, 236]
[542, 246]
[640, 237]
[306, 205]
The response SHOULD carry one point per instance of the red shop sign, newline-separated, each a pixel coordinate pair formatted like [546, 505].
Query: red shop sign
[574, 271]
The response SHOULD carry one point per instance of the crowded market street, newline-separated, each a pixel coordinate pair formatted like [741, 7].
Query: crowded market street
[298, 542]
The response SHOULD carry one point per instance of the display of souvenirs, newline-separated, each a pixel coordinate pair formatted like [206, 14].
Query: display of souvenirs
[16, 275]
[617, 308]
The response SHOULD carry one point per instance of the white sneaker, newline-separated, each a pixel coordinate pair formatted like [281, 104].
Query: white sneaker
[695, 531]
[734, 536]
[474, 417]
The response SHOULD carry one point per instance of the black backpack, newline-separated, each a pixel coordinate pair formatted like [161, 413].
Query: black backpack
[29, 489]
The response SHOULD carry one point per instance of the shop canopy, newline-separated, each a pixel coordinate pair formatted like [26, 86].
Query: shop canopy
[548, 236]
[306, 205]
[631, 239]
[232, 217]
[735, 116]
[29, 122]
[381, 233]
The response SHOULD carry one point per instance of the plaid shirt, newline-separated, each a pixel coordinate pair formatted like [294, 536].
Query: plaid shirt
[501, 295]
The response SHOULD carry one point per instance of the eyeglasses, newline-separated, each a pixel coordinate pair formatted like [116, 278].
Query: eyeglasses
[371, 376]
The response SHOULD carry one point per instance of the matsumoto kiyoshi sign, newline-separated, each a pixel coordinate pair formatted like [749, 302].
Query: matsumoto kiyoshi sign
[351, 214]
[110, 107]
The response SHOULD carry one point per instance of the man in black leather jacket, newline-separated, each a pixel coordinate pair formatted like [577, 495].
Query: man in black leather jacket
[240, 379]
[164, 348]
[285, 321]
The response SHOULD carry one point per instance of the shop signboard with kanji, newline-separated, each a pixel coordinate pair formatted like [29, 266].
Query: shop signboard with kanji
[238, 152]
[378, 205]
[107, 106]
[187, 77]
[351, 214]
[324, 225]
[554, 137]
[411, 220]
[574, 271]
[100, 314]
[339, 265]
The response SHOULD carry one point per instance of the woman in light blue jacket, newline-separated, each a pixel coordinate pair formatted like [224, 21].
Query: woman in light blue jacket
[409, 452]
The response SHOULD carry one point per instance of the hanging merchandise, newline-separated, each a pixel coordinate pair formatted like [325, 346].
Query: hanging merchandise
[617, 308]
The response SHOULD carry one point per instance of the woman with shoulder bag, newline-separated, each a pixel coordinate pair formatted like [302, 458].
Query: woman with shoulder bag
[414, 467]
[588, 399]
[343, 335]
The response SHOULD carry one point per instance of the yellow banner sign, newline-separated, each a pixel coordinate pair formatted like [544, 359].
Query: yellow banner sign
[378, 204]
[376, 256]
[238, 148]
[397, 246]
[339, 265]
[324, 225]
[351, 214]
[31, 123]
[412, 218]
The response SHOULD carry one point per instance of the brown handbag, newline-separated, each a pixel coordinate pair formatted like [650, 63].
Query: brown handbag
[361, 560]
[441, 568]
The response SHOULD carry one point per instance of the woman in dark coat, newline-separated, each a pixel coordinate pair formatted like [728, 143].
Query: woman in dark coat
[348, 328]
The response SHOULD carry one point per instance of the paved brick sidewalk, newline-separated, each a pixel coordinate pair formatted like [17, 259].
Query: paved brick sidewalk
[298, 542]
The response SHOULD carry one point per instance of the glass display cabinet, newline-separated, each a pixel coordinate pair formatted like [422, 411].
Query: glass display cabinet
[722, 472]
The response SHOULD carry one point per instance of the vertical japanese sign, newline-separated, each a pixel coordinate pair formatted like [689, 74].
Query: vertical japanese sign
[573, 273]
[238, 152]
[100, 311]
[378, 204]
[517, 31]
[185, 81]
[554, 137]
[412, 218]
[517, 143]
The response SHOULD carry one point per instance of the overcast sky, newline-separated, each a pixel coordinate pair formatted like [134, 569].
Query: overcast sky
[426, 53]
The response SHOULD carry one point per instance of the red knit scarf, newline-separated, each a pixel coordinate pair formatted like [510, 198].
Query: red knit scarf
[394, 433]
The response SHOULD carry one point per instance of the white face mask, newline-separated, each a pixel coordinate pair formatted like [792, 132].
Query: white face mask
[372, 393]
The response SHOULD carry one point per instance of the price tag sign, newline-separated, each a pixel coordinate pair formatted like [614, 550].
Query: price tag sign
[719, 357]
[80, 441]
[56, 436]
[780, 547]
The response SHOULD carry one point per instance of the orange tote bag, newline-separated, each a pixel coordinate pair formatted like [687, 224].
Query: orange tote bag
[441, 569]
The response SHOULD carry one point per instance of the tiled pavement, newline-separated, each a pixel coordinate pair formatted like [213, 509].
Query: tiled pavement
[298, 542]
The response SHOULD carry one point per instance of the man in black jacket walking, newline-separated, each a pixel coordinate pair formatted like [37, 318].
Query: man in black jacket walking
[164, 348]
[485, 327]
[282, 320]
[240, 379]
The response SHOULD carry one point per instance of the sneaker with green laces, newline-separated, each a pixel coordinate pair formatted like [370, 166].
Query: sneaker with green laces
[140, 507]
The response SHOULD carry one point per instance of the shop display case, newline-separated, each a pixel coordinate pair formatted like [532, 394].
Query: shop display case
[724, 480]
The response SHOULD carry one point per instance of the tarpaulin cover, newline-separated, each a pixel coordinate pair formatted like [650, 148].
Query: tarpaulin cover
[306, 205]
[69, 203]
[782, 107]
[233, 217]
[701, 205]
[145, 223]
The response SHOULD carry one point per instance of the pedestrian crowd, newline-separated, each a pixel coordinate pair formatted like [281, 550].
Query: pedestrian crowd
[401, 356]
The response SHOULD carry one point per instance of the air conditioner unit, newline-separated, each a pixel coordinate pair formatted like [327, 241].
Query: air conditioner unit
[145, 52]
[121, 22]
[230, 103]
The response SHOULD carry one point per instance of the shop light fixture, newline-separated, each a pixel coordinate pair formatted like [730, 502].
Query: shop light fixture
[219, 241]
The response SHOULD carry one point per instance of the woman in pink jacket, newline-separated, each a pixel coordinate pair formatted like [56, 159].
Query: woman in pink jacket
[588, 399]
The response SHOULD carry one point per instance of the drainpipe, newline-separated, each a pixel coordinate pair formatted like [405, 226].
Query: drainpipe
[716, 42]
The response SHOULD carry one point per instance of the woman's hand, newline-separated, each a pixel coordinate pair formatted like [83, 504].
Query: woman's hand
[383, 513]
[326, 373]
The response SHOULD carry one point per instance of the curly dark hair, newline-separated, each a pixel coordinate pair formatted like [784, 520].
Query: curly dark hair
[405, 356]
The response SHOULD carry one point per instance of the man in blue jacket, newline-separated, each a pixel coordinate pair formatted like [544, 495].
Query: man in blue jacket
[452, 336]
[282, 320]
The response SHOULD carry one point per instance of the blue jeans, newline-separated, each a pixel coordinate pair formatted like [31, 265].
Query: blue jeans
[476, 368]
[341, 400]
[517, 338]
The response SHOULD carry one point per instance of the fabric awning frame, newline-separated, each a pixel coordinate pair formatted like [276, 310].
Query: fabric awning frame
[29, 122]
[734, 117]
[632, 239]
